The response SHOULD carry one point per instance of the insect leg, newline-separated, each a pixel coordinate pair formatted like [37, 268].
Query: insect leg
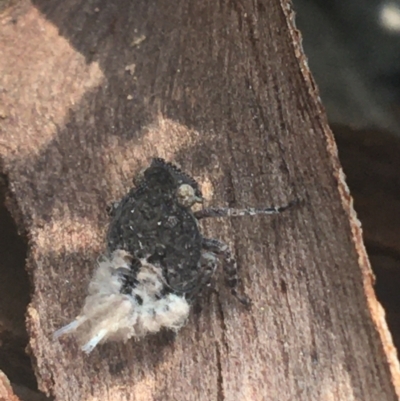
[230, 265]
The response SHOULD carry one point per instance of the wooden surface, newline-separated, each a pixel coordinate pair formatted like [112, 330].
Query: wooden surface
[6, 391]
[89, 92]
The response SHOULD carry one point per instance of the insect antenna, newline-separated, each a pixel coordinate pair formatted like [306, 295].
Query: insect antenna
[234, 212]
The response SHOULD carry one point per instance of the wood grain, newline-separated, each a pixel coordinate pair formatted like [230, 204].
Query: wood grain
[90, 92]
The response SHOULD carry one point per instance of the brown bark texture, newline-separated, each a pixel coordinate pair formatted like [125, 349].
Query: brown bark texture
[89, 92]
[6, 391]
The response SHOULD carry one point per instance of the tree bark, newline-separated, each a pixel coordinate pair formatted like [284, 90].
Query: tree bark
[89, 93]
[6, 392]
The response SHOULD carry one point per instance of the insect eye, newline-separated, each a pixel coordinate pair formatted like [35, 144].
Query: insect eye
[187, 196]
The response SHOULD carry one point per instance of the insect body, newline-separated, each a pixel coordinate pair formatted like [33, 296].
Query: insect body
[157, 260]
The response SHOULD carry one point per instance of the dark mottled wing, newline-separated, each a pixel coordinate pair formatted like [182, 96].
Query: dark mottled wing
[149, 222]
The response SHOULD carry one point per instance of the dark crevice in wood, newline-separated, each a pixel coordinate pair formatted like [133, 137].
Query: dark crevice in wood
[220, 389]
[370, 162]
[14, 299]
[386, 265]
[375, 248]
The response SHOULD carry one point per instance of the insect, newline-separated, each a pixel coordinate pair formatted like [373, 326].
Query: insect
[157, 260]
